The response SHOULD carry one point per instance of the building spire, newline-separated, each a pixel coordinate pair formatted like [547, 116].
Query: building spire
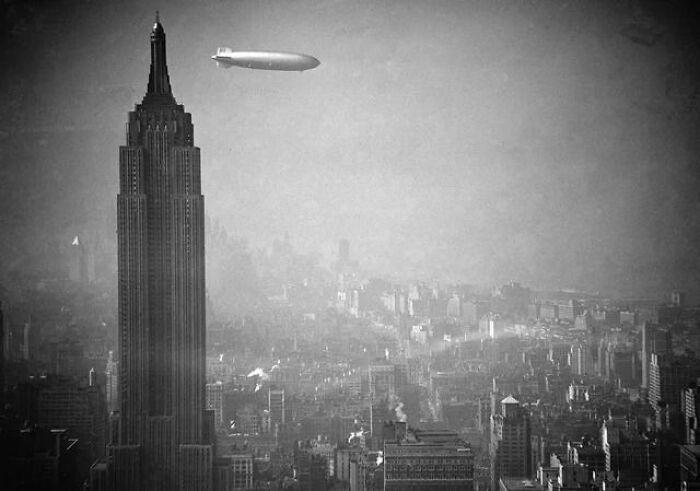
[158, 79]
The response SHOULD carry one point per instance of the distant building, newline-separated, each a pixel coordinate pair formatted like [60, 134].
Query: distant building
[382, 380]
[343, 458]
[491, 326]
[248, 421]
[80, 410]
[111, 381]
[81, 262]
[276, 407]
[625, 365]
[533, 311]
[549, 311]
[690, 467]
[311, 469]
[566, 475]
[510, 442]
[592, 456]
[473, 310]
[39, 458]
[626, 451]
[678, 299]
[560, 353]
[654, 340]
[454, 306]
[519, 484]
[215, 401]
[416, 460]
[629, 317]
[511, 299]
[568, 311]
[26, 330]
[690, 409]
[234, 472]
[608, 317]
[581, 362]
[668, 375]
[346, 269]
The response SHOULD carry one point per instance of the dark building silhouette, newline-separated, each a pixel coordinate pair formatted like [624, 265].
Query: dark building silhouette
[510, 442]
[79, 410]
[162, 435]
[37, 458]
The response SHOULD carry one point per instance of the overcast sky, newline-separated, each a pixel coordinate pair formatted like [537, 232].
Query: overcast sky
[550, 142]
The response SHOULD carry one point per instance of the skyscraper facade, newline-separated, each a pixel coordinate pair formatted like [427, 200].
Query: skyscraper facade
[510, 442]
[654, 340]
[161, 293]
[275, 399]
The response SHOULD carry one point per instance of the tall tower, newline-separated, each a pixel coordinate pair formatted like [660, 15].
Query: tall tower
[160, 232]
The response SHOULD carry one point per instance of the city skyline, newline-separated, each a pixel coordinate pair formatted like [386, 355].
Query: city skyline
[473, 257]
[548, 143]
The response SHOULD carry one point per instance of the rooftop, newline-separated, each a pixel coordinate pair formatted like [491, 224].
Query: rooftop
[510, 400]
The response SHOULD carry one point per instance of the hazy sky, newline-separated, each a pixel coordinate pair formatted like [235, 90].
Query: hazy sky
[551, 142]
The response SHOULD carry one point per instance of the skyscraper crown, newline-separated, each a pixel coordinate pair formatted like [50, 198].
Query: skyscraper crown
[158, 79]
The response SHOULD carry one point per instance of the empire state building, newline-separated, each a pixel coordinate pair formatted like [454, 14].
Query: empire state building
[164, 435]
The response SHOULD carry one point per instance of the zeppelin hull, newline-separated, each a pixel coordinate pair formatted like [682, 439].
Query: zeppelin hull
[265, 60]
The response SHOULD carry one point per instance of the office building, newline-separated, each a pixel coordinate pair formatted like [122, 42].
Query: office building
[241, 471]
[161, 297]
[626, 451]
[234, 472]
[382, 380]
[690, 409]
[689, 471]
[215, 401]
[111, 383]
[79, 410]
[654, 340]
[275, 404]
[581, 363]
[668, 375]
[678, 299]
[38, 458]
[510, 442]
[424, 460]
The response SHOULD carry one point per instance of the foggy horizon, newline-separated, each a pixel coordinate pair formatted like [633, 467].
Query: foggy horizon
[550, 143]
[457, 248]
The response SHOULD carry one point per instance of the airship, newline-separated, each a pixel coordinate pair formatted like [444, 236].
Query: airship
[265, 60]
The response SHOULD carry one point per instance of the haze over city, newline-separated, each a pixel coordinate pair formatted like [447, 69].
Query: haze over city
[436, 245]
[552, 143]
